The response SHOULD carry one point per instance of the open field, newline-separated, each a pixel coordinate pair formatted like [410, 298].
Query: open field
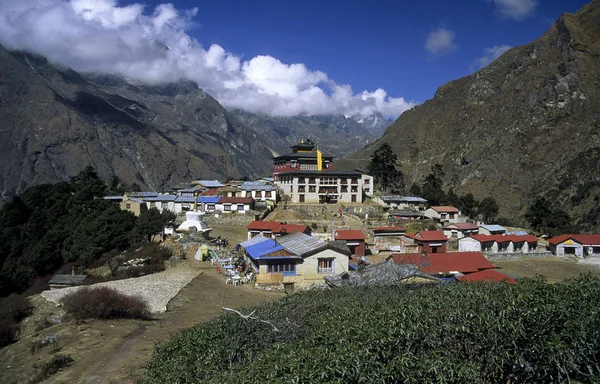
[553, 268]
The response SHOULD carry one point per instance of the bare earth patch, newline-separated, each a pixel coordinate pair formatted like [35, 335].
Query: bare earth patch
[554, 268]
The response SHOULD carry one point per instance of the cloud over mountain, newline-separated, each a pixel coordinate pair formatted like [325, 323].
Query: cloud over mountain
[490, 54]
[155, 47]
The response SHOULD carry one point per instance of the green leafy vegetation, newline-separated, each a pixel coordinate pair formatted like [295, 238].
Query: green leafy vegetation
[50, 225]
[532, 332]
[548, 218]
[104, 303]
[383, 168]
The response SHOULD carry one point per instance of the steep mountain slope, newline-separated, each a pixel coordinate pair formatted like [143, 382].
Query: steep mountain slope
[54, 122]
[527, 124]
[335, 135]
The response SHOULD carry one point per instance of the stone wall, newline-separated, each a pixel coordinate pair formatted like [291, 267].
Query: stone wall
[516, 255]
[232, 219]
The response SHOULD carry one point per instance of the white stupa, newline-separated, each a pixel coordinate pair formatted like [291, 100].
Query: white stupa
[193, 222]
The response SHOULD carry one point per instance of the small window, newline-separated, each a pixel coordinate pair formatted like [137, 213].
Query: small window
[128, 206]
[325, 266]
[367, 181]
[227, 207]
[353, 198]
[268, 194]
[210, 207]
[240, 207]
[344, 188]
[569, 250]
[312, 189]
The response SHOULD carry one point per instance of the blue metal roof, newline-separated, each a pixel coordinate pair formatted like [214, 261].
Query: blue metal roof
[113, 197]
[209, 199]
[161, 198]
[142, 194]
[493, 227]
[261, 247]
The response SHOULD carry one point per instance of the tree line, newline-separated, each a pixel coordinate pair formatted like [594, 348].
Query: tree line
[53, 224]
[389, 179]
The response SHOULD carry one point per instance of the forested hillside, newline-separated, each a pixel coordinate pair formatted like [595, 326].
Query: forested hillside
[53, 224]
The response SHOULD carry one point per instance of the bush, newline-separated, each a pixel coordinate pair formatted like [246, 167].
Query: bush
[104, 303]
[531, 332]
[14, 309]
[57, 363]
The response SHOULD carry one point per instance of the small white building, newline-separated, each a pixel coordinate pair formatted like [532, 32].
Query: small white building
[498, 244]
[460, 230]
[575, 245]
[402, 202]
[446, 214]
[260, 192]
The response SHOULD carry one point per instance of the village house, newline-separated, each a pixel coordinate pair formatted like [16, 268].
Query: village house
[307, 176]
[389, 238]
[575, 245]
[294, 260]
[161, 202]
[492, 229]
[354, 239]
[427, 241]
[234, 204]
[191, 191]
[444, 214]
[273, 229]
[460, 230]
[498, 244]
[411, 203]
[448, 265]
[260, 192]
[133, 205]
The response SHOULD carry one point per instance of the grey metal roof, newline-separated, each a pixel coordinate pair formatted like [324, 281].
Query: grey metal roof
[209, 183]
[257, 186]
[300, 243]
[67, 279]
[384, 273]
[190, 190]
[408, 199]
[117, 198]
[141, 194]
[255, 240]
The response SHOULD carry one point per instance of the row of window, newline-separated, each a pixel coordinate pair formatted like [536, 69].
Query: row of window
[324, 266]
[313, 189]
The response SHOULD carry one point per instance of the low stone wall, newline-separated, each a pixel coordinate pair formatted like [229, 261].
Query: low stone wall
[229, 219]
[517, 256]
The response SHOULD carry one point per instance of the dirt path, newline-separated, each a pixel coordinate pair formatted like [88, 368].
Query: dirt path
[199, 301]
[117, 351]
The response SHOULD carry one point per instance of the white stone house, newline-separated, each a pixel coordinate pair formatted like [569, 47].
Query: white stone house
[295, 260]
[498, 244]
[460, 230]
[402, 202]
[575, 245]
[260, 192]
[444, 214]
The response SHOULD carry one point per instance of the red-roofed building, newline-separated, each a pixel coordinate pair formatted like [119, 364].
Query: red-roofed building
[234, 204]
[487, 275]
[443, 214]
[429, 241]
[498, 244]
[445, 264]
[575, 245]
[274, 229]
[355, 240]
[460, 230]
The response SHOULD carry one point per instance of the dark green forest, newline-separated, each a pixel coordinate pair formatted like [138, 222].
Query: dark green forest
[50, 225]
[532, 332]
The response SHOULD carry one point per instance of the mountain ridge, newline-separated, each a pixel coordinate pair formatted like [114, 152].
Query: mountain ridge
[513, 129]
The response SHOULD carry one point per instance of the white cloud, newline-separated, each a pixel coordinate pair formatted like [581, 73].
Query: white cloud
[515, 9]
[440, 41]
[491, 54]
[101, 36]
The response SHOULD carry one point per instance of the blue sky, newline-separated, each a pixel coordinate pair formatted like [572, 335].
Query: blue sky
[283, 57]
[370, 44]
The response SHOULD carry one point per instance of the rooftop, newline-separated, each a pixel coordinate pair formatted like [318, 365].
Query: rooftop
[445, 209]
[408, 199]
[209, 183]
[581, 239]
[389, 229]
[301, 244]
[67, 279]
[445, 263]
[487, 275]
[494, 228]
[428, 236]
[257, 186]
[349, 234]
[462, 226]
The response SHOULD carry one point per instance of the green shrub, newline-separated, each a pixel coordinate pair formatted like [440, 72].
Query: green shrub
[531, 332]
[14, 308]
[104, 303]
